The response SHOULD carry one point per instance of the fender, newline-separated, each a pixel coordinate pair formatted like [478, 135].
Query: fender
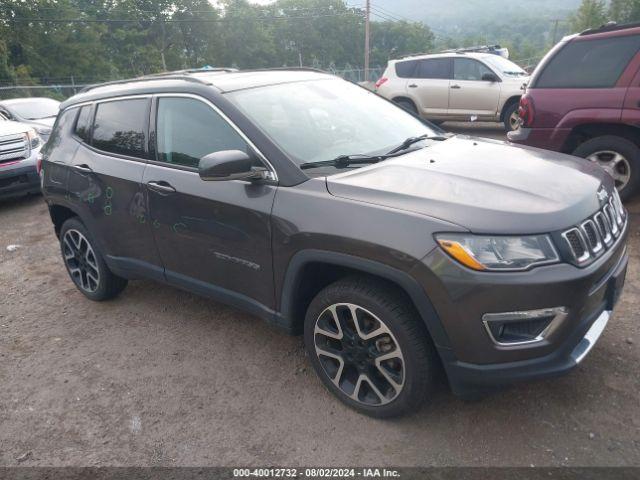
[403, 280]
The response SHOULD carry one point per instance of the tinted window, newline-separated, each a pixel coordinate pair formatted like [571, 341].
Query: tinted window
[120, 126]
[83, 125]
[435, 68]
[63, 126]
[188, 129]
[406, 69]
[589, 63]
[467, 69]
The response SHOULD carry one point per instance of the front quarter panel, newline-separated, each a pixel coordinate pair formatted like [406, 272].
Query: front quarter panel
[307, 217]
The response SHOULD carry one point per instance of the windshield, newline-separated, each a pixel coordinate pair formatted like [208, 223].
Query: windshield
[507, 67]
[35, 108]
[323, 119]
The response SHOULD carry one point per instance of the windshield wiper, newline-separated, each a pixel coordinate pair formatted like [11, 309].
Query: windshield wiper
[360, 159]
[344, 161]
[411, 140]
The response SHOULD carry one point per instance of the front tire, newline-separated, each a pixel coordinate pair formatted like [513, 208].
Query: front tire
[85, 263]
[619, 157]
[369, 347]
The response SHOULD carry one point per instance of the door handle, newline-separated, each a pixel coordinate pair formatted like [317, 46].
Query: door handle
[413, 85]
[456, 87]
[161, 187]
[84, 168]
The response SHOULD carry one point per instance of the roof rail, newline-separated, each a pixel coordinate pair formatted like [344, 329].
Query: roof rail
[175, 75]
[494, 49]
[186, 75]
[284, 69]
[609, 27]
[193, 70]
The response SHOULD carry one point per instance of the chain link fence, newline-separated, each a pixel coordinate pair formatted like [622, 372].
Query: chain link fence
[62, 88]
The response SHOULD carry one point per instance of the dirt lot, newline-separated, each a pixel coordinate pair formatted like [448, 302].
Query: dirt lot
[162, 377]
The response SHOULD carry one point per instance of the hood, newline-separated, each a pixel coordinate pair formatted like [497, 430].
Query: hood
[485, 186]
[45, 123]
[11, 128]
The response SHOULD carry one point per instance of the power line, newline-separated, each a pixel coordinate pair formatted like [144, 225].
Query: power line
[172, 20]
[391, 14]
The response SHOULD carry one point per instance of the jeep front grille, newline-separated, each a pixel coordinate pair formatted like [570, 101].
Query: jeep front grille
[597, 233]
[14, 147]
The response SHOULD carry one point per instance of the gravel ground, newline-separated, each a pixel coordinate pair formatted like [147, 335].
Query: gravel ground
[162, 377]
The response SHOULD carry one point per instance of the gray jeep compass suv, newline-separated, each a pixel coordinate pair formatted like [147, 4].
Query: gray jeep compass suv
[330, 212]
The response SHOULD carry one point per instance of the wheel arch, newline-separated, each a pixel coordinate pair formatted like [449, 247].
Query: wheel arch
[60, 214]
[309, 271]
[405, 98]
[510, 101]
[586, 131]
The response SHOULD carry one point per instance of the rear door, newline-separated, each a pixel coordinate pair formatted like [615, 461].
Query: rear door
[214, 237]
[429, 87]
[105, 181]
[470, 95]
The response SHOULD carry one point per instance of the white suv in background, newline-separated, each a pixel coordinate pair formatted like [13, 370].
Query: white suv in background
[19, 149]
[456, 86]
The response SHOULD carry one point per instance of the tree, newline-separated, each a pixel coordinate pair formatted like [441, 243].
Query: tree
[590, 14]
[625, 11]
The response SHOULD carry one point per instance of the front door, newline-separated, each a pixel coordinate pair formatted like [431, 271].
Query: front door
[470, 95]
[214, 237]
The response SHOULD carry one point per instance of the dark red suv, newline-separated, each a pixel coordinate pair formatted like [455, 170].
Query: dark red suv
[584, 99]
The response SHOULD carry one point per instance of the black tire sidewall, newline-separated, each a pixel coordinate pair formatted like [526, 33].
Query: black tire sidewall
[105, 288]
[507, 115]
[416, 369]
[616, 144]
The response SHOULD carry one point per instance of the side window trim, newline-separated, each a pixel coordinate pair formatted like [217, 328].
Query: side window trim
[154, 159]
[80, 106]
[94, 111]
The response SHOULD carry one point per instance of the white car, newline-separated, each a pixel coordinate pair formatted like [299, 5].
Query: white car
[37, 112]
[456, 86]
[19, 149]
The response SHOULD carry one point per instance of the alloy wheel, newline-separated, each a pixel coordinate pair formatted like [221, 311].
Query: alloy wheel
[81, 260]
[615, 165]
[359, 354]
[514, 121]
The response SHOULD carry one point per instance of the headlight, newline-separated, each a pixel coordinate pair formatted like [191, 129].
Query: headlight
[43, 131]
[499, 253]
[33, 138]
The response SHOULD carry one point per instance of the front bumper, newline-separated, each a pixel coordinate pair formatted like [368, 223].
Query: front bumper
[468, 379]
[19, 181]
[474, 363]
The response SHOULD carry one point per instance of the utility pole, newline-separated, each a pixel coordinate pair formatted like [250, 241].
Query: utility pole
[367, 37]
[555, 31]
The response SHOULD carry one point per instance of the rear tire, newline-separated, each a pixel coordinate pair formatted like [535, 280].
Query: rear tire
[619, 157]
[85, 264]
[385, 365]
[511, 119]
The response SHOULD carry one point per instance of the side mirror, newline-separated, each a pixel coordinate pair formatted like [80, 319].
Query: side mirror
[490, 77]
[230, 165]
